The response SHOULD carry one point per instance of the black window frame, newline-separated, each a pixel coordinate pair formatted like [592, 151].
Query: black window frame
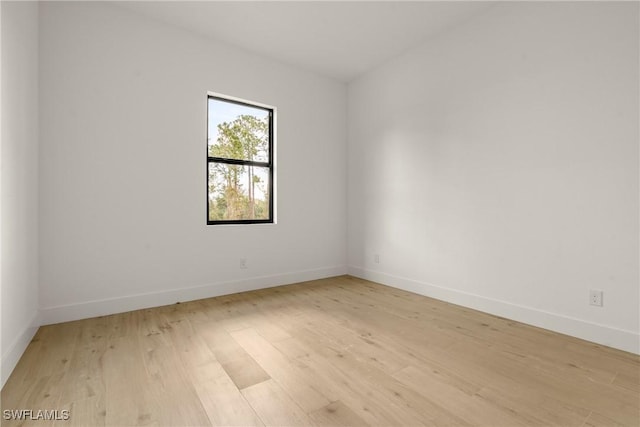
[269, 164]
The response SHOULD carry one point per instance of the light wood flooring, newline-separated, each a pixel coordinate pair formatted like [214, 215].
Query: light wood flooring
[339, 351]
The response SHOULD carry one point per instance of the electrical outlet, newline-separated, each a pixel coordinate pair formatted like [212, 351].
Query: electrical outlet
[243, 263]
[595, 297]
[376, 259]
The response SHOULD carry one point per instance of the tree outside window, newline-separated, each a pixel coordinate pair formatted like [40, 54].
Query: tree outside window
[239, 162]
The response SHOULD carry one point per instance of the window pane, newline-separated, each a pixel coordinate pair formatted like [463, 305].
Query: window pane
[238, 131]
[238, 192]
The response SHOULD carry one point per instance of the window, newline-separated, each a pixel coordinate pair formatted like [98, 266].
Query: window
[239, 162]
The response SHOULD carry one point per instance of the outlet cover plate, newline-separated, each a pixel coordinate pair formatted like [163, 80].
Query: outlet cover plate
[595, 297]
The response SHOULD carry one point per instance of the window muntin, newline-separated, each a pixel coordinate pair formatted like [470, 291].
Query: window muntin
[239, 162]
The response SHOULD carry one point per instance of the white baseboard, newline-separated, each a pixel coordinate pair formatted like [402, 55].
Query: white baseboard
[12, 355]
[85, 310]
[601, 334]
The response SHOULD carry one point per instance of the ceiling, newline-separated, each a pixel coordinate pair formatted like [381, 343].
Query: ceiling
[339, 39]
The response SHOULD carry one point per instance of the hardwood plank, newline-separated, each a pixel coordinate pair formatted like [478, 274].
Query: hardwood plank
[128, 397]
[219, 396]
[89, 411]
[274, 406]
[336, 414]
[303, 387]
[245, 372]
[176, 400]
[597, 420]
[84, 382]
[447, 392]
[386, 399]
[224, 403]
[628, 381]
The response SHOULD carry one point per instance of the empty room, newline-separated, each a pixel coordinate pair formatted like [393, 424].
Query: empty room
[320, 213]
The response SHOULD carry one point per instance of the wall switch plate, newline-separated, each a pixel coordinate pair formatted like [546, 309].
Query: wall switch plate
[595, 297]
[243, 263]
[376, 259]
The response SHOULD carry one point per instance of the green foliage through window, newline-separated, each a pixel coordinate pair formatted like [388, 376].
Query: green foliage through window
[239, 162]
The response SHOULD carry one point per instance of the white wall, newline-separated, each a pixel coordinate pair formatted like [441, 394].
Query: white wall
[122, 178]
[496, 166]
[19, 178]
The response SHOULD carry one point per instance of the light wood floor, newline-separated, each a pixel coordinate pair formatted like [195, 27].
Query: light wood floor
[340, 351]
